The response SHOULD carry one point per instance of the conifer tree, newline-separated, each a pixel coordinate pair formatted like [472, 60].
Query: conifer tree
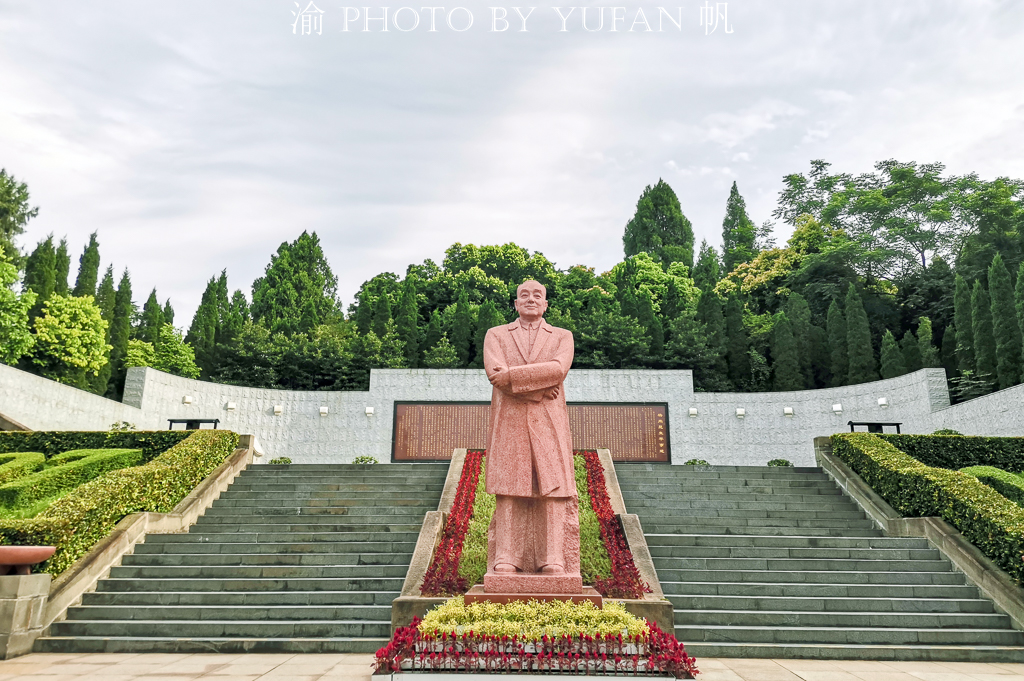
[706, 272]
[984, 336]
[407, 321]
[462, 330]
[364, 316]
[786, 362]
[911, 351]
[62, 269]
[949, 351]
[441, 355]
[649, 320]
[381, 315]
[672, 304]
[799, 315]
[892, 357]
[392, 350]
[738, 232]
[487, 317]
[105, 299]
[1006, 330]
[821, 357]
[41, 275]
[863, 367]
[737, 342]
[119, 332]
[88, 269]
[435, 329]
[202, 334]
[168, 313]
[709, 313]
[659, 228]
[237, 316]
[298, 289]
[963, 321]
[152, 320]
[929, 354]
[840, 361]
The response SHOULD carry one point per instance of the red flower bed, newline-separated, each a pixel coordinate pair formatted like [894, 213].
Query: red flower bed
[625, 581]
[442, 576]
[653, 654]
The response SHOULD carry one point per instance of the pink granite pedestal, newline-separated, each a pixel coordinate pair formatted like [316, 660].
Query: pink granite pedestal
[478, 594]
[521, 583]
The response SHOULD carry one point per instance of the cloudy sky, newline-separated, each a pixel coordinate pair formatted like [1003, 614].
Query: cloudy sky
[196, 136]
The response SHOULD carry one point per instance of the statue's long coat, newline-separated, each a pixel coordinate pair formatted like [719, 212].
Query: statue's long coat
[527, 431]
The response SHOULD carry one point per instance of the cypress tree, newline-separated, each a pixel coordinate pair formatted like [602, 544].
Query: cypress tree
[785, 359]
[672, 304]
[709, 313]
[984, 336]
[88, 268]
[821, 357]
[202, 334]
[858, 340]
[105, 298]
[738, 232]
[949, 351]
[963, 321]
[238, 315]
[1005, 328]
[799, 315]
[737, 342]
[364, 316]
[659, 228]
[929, 355]
[892, 357]
[407, 320]
[62, 268]
[706, 272]
[487, 317]
[840, 361]
[911, 351]
[381, 315]
[435, 330]
[152, 320]
[168, 313]
[463, 328]
[119, 331]
[650, 322]
[41, 275]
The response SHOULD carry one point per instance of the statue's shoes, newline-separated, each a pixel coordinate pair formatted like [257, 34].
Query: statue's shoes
[552, 570]
[504, 569]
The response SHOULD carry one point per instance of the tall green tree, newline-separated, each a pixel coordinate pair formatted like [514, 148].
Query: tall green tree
[929, 354]
[407, 320]
[710, 315]
[298, 289]
[381, 316]
[88, 269]
[61, 268]
[707, 271]
[392, 350]
[963, 321]
[949, 362]
[168, 312]
[863, 367]
[202, 334]
[1005, 328]
[892, 357]
[911, 349]
[738, 232]
[462, 331]
[487, 317]
[236, 318]
[738, 343]
[659, 228]
[652, 325]
[105, 299]
[41, 274]
[14, 214]
[837, 340]
[785, 356]
[120, 329]
[798, 313]
[15, 338]
[69, 345]
[441, 355]
[984, 335]
[152, 320]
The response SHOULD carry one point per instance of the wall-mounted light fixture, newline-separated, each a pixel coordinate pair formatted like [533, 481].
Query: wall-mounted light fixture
[278, 409]
[883, 402]
[187, 399]
[231, 406]
[787, 411]
[323, 411]
[369, 411]
[693, 412]
[740, 412]
[837, 408]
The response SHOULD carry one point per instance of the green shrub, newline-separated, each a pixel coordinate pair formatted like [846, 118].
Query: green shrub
[696, 462]
[122, 427]
[947, 431]
[64, 473]
[75, 522]
[959, 452]
[780, 462]
[281, 460]
[1009, 485]
[365, 459]
[50, 442]
[986, 518]
[20, 464]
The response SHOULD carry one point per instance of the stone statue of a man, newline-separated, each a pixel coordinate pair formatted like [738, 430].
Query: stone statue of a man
[535, 528]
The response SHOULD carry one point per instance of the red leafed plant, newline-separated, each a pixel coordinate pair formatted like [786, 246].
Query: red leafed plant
[442, 577]
[654, 653]
[625, 581]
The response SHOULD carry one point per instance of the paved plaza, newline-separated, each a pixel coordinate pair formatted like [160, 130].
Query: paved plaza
[242, 667]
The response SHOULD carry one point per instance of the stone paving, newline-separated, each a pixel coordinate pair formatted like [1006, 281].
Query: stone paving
[356, 667]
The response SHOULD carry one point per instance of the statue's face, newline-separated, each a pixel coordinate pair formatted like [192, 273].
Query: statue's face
[531, 300]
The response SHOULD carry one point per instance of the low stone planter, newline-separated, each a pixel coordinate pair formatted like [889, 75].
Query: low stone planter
[22, 612]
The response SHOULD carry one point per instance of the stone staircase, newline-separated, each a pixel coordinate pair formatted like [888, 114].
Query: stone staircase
[296, 558]
[779, 563]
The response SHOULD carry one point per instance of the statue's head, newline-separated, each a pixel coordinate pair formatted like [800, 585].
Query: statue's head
[531, 300]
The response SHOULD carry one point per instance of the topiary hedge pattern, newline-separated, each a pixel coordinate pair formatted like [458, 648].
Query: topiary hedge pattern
[1009, 485]
[75, 522]
[958, 451]
[985, 517]
[19, 464]
[65, 472]
[152, 443]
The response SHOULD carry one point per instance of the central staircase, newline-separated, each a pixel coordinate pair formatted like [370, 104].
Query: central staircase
[777, 562]
[292, 558]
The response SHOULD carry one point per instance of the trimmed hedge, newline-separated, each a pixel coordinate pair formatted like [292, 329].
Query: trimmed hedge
[76, 521]
[959, 451]
[66, 472]
[1009, 485]
[19, 464]
[985, 517]
[52, 442]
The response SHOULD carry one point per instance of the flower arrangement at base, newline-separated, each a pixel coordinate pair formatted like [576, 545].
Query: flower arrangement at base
[532, 637]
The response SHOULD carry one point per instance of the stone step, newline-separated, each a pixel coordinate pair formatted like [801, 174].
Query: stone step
[248, 613]
[746, 472]
[643, 493]
[761, 486]
[824, 651]
[739, 504]
[843, 620]
[299, 526]
[211, 535]
[751, 515]
[326, 486]
[230, 572]
[426, 466]
[671, 500]
[356, 513]
[200, 644]
[825, 604]
[955, 589]
[809, 576]
[166, 548]
[263, 499]
[194, 559]
[224, 628]
[794, 541]
[865, 529]
[700, 521]
[239, 598]
[792, 552]
[849, 635]
[800, 565]
[241, 584]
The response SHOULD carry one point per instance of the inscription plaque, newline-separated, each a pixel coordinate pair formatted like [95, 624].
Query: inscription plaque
[429, 431]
